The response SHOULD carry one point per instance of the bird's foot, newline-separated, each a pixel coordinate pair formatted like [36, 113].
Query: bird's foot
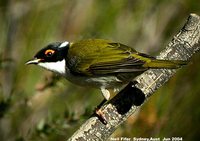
[99, 113]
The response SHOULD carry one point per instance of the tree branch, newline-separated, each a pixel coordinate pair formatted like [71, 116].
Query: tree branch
[182, 47]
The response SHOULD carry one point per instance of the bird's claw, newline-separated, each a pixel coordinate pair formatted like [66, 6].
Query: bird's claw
[100, 115]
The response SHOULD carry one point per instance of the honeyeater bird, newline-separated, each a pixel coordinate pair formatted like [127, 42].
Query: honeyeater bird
[98, 63]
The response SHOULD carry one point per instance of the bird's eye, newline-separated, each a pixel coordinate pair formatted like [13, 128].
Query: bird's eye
[49, 52]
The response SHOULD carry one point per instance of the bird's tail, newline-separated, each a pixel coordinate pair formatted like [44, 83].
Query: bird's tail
[165, 64]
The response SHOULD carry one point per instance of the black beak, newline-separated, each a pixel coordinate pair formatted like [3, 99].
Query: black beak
[33, 61]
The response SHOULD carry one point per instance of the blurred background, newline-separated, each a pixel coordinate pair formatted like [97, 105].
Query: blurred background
[36, 105]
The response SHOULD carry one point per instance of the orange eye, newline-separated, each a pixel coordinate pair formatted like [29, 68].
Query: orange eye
[49, 52]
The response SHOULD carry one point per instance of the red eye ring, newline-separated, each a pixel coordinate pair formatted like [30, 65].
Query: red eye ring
[49, 52]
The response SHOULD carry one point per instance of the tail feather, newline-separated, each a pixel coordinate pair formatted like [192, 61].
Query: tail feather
[165, 64]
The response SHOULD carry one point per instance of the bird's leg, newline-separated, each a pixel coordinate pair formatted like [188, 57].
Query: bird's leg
[98, 111]
[105, 93]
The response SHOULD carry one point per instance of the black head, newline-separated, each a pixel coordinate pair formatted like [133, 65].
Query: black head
[53, 52]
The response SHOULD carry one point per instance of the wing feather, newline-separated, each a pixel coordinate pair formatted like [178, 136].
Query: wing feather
[123, 66]
[102, 57]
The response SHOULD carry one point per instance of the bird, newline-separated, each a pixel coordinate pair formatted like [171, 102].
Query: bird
[98, 63]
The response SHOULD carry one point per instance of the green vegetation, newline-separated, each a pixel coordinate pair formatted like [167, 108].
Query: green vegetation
[36, 105]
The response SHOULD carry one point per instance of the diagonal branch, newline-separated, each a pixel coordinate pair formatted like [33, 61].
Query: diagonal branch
[182, 47]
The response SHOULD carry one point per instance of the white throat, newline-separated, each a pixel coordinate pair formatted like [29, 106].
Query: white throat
[58, 67]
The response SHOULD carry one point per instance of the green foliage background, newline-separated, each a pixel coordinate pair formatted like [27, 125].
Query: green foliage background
[38, 106]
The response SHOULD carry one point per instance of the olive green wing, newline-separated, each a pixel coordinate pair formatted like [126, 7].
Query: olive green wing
[101, 57]
[122, 66]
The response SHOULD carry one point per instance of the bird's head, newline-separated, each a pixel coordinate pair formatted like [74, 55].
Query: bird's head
[52, 57]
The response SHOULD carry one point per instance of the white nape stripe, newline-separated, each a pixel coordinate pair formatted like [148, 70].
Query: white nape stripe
[58, 67]
[64, 44]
